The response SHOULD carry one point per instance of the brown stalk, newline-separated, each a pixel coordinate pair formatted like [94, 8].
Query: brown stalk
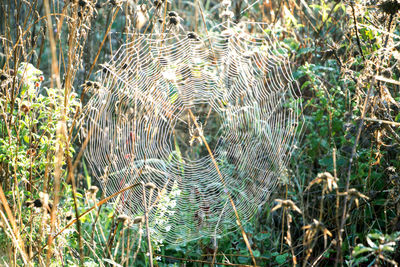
[356, 30]
[353, 153]
[61, 125]
[101, 202]
[13, 224]
[246, 240]
[102, 42]
[146, 218]
[393, 123]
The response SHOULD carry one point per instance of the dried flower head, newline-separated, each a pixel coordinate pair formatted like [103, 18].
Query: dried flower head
[193, 36]
[138, 219]
[4, 79]
[329, 182]
[173, 14]
[93, 190]
[157, 3]
[123, 218]
[356, 195]
[287, 204]
[390, 7]
[39, 203]
[227, 14]
[312, 229]
[150, 185]
[68, 216]
[4, 76]
[25, 108]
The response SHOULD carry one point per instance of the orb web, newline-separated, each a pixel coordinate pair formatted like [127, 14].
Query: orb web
[164, 98]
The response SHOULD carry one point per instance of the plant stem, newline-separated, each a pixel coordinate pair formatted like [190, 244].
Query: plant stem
[146, 218]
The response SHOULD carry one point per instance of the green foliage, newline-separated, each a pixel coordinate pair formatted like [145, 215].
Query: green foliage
[335, 60]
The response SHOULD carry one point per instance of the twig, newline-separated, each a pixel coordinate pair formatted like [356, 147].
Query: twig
[102, 43]
[227, 192]
[146, 218]
[393, 123]
[19, 246]
[356, 30]
[101, 202]
[353, 153]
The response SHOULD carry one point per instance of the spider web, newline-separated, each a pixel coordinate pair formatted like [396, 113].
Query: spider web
[164, 98]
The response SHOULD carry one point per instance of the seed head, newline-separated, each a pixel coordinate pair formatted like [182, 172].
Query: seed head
[93, 190]
[390, 7]
[193, 36]
[150, 186]
[68, 216]
[123, 218]
[139, 219]
[173, 14]
[82, 3]
[3, 77]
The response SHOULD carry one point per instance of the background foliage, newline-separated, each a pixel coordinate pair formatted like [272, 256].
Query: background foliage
[338, 203]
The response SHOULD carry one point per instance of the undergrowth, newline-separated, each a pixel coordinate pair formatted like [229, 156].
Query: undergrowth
[338, 202]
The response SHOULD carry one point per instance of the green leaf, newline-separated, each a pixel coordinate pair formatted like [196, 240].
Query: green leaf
[281, 259]
[262, 236]
[256, 253]
[360, 249]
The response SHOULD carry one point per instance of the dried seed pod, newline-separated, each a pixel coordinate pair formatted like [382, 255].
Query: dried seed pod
[390, 7]
[193, 36]
[227, 14]
[157, 3]
[68, 216]
[123, 218]
[173, 14]
[138, 219]
[141, 16]
[174, 21]
[3, 77]
[38, 203]
[25, 108]
[82, 3]
[93, 190]
[150, 185]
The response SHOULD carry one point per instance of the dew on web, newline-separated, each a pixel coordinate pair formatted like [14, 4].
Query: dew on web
[207, 121]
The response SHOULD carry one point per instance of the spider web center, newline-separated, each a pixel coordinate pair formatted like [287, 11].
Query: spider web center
[187, 137]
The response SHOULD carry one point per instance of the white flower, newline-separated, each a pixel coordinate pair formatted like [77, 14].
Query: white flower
[172, 204]
[168, 228]
[158, 258]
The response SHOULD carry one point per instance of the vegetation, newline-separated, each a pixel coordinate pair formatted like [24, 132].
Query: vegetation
[337, 204]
